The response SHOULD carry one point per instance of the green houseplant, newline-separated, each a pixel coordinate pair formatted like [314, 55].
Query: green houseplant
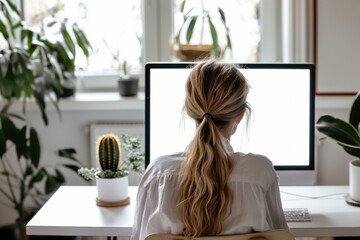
[344, 133]
[347, 135]
[127, 83]
[192, 17]
[114, 170]
[66, 50]
[31, 69]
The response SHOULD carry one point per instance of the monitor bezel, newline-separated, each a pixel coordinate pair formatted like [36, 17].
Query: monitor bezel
[177, 65]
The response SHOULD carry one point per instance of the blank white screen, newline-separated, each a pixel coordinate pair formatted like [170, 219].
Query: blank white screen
[279, 123]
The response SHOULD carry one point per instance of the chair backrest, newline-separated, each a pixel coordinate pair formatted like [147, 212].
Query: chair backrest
[277, 234]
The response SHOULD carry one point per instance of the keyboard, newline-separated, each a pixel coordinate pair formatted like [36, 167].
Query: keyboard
[297, 215]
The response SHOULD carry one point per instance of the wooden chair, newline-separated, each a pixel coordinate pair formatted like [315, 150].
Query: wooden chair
[278, 234]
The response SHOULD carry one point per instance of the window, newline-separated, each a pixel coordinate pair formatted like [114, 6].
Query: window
[113, 27]
[140, 31]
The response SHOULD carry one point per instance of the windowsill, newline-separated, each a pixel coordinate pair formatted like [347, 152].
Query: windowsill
[103, 101]
[85, 101]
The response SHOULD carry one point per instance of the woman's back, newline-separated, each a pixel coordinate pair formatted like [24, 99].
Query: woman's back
[253, 181]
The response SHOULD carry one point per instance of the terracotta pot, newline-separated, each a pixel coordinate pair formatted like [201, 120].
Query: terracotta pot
[193, 52]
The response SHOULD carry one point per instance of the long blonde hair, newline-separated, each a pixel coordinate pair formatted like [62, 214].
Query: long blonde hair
[215, 95]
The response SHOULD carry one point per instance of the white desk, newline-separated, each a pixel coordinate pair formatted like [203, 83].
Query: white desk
[72, 211]
[331, 215]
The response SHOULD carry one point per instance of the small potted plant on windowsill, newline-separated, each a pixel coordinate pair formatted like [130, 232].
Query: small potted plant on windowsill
[113, 172]
[191, 51]
[127, 83]
[346, 135]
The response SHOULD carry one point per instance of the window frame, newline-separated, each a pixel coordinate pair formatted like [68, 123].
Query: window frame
[287, 18]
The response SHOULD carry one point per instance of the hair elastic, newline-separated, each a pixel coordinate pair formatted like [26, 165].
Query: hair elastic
[207, 114]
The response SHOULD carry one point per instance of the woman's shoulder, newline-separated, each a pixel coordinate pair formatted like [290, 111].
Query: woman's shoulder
[165, 165]
[166, 162]
[250, 166]
[252, 159]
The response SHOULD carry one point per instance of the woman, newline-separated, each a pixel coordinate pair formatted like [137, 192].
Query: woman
[209, 189]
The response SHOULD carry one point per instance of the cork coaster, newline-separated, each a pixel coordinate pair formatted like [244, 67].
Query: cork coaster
[113, 204]
[351, 201]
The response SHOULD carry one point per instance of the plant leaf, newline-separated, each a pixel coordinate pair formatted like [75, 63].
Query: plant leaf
[352, 151]
[60, 179]
[82, 40]
[50, 184]
[64, 58]
[36, 178]
[68, 40]
[182, 6]
[228, 41]
[2, 143]
[214, 36]
[28, 34]
[29, 171]
[190, 29]
[12, 7]
[21, 118]
[68, 153]
[34, 147]
[11, 13]
[3, 29]
[56, 66]
[21, 148]
[339, 130]
[222, 15]
[354, 118]
[40, 101]
[10, 130]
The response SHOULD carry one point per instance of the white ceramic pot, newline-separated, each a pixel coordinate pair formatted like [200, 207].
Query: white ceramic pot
[112, 189]
[354, 179]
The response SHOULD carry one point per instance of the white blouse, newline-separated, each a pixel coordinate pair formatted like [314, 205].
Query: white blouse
[253, 180]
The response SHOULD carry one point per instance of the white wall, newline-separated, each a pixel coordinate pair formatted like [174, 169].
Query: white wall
[338, 50]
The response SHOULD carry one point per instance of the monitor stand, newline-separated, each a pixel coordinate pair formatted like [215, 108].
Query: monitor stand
[297, 177]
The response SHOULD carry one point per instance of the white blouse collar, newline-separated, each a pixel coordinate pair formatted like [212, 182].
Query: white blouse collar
[228, 145]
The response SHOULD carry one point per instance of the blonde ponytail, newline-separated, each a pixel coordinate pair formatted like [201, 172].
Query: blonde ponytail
[215, 95]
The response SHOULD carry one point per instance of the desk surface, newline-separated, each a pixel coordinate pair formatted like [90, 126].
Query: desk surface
[72, 211]
[331, 215]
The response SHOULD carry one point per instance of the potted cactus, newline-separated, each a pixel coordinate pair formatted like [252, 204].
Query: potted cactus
[112, 176]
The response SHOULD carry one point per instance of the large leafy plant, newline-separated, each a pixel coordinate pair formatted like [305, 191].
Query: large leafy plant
[344, 133]
[33, 67]
[37, 61]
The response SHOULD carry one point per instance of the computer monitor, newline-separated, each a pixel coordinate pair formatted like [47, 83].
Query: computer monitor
[281, 124]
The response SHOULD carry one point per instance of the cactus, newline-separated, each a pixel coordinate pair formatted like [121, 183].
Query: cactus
[109, 152]
[109, 155]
